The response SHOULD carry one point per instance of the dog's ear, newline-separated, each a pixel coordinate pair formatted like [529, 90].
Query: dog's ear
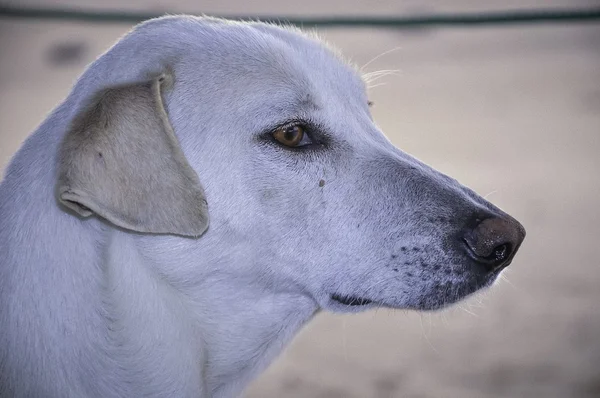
[122, 161]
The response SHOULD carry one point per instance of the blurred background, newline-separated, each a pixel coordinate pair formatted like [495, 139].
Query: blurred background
[513, 111]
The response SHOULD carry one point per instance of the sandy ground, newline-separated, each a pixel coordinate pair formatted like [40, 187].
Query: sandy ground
[512, 112]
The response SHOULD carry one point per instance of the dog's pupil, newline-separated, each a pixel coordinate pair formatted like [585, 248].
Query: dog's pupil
[290, 134]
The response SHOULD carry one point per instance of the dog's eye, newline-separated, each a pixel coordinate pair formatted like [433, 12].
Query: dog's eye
[293, 136]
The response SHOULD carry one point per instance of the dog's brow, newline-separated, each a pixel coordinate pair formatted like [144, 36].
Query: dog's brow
[288, 105]
[308, 103]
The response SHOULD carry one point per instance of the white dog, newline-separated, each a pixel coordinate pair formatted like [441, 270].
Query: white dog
[113, 285]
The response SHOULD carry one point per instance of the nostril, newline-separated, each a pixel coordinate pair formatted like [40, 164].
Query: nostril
[493, 242]
[497, 257]
[499, 253]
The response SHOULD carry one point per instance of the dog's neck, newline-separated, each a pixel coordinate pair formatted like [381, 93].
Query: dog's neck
[218, 324]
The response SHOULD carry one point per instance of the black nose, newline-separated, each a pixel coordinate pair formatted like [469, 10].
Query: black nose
[494, 241]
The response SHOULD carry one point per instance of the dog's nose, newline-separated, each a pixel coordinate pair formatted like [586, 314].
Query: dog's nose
[494, 241]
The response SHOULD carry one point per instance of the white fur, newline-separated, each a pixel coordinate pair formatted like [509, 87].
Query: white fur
[91, 310]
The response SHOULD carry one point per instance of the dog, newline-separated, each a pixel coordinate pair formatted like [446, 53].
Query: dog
[112, 282]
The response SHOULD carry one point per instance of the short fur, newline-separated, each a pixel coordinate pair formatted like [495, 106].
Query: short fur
[106, 290]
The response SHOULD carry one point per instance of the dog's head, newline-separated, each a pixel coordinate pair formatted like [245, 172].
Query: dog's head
[269, 133]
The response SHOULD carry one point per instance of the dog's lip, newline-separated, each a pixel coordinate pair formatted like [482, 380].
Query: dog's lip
[351, 301]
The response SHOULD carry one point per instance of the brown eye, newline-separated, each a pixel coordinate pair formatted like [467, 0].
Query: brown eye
[289, 136]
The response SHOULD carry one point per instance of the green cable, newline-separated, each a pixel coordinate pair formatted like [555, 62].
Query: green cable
[463, 19]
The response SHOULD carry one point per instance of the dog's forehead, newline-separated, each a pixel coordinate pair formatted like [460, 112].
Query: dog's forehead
[253, 74]
[272, 59]
[318, 59]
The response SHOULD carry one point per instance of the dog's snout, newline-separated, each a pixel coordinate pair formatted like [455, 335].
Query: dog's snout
[493, 242]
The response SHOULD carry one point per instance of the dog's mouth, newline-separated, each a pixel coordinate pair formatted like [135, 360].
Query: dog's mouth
[438, 297]
[352, 301]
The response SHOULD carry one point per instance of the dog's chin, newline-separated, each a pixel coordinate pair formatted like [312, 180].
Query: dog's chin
[439, 299]
[426, 300]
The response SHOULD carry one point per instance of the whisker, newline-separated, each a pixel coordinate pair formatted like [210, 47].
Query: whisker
[491, 193]
[505, 278]
[376, 85]
[381, 72]
[374, 76]
[379, 56]
[425, 334]
[462, 307]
